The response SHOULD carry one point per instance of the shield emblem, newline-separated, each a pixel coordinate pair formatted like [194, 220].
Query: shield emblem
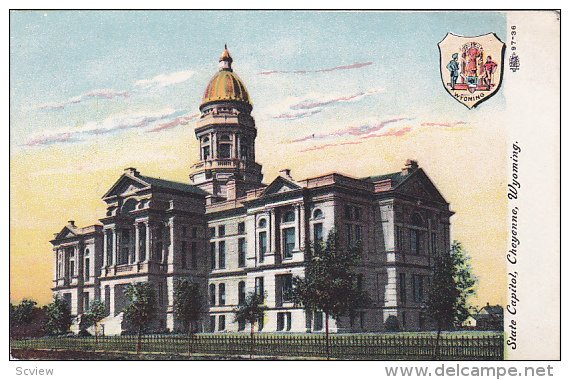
[471, 67]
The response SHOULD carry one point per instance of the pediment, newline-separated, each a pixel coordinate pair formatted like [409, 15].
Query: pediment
[126, 185]
[280, 185]
[65, 233]
[420, 186]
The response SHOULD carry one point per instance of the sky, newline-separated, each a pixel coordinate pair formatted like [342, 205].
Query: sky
[94, 92]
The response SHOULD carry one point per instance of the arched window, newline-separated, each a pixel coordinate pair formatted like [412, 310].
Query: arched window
[205, 140]
[262, 223]
[317, 214]
[225, 138]
[289, 217]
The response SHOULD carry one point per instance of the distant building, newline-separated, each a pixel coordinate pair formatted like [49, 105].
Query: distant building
[487, 318]
[231, 233]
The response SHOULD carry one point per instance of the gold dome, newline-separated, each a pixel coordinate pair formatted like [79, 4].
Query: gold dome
[225, 85]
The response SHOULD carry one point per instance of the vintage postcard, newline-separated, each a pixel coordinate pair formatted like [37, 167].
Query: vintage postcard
[277, 185]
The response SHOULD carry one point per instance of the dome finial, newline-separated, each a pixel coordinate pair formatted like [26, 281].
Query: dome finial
[226, 59]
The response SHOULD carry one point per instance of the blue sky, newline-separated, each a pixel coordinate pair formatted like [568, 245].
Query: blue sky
[73, 68]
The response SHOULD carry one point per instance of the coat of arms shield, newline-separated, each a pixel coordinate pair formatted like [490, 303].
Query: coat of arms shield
[471, 67]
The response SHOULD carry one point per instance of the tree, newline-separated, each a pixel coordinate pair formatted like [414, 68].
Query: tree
[329, 284]
[59, 317]
[140, 308]
[451, 286]
[188, 305]
[23, 312]
[95, 314]
[251, 310]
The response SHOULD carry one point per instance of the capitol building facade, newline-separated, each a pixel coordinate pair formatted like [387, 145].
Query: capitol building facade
[233, 234]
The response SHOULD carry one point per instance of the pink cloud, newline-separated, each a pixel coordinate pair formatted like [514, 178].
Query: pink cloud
[95, 94]
[181, 120]
[356, 65]
[442, 124]
[353, 131]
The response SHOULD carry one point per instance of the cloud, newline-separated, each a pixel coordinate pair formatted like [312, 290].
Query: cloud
[181, 120]
[165, 80]
[443, 124]
[314, 104]
[360, 130]
[357, 135]
[111, 124]
[356, 65]
[95, 94]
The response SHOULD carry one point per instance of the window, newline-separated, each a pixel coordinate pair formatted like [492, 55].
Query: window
[222, 230]
[184, 231]
[241, 292]
[241, 324]
[212, 255]
[347, 212]
[109, 248]
[212, 323]
[222, 254]
[418, 287]
[225, 150]
[183, 254]
[72, 268]
[318, 326]
[399, 238]
[402, 279]
[318, 232]
[194, 232]
[433, 243]
[221, 323]
[262, 245]
[225, 138]
[259, 289]
[362, 319]
[286, 288]
[262, 223]
[317, 214]
[349, 237]
[87, 269]
[289, 217]
[241, 252]
[85, 301]
[260, 324]
[358, 233]
[241, 228]
[244, 150]
[212, 231]
[194, 255]
[288, 242]
[205, 153]
[414, 242]
[212, 292]
[284, 321]
[222, 294]
[142, 243]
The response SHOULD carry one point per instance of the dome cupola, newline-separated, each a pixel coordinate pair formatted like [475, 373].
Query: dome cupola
[225, 85]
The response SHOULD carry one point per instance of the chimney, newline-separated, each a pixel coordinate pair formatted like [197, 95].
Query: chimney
[71, 223]
[411, 166]
[286, 173]
[132, 171]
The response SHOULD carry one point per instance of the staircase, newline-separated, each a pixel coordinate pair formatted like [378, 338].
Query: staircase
[110, 325]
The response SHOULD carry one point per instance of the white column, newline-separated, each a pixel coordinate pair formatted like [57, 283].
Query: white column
[302, 227]
[56, 263]
[115, 243]
[298, 228]
[272, 231]
[105, 248]
[147, 243]
[137, 243]
[170, 253]
[112, 300]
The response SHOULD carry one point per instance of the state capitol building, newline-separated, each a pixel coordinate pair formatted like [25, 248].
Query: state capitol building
[232, 233]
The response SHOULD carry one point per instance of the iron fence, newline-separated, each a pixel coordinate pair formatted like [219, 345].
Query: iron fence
[366, 346]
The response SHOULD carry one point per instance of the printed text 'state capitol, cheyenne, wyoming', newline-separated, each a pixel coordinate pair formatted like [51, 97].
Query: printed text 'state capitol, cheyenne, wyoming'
[233, 234]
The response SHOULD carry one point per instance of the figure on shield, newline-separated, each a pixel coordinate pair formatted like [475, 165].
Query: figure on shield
[453, 68]
[490, 67]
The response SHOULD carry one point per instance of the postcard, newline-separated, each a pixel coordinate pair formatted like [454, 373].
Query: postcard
[285, 185]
